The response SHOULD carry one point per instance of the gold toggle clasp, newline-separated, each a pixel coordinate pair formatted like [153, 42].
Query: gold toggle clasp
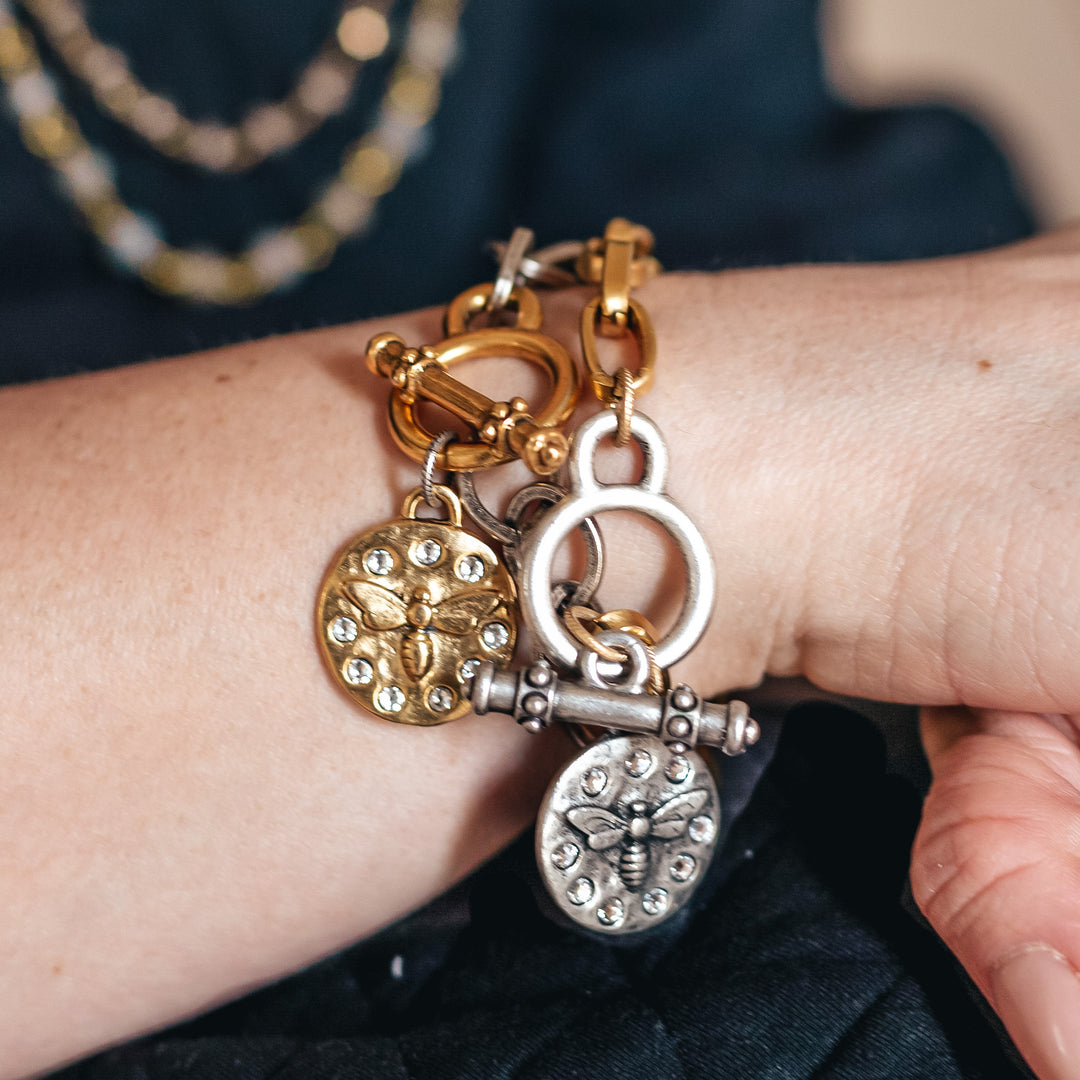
[505, 429]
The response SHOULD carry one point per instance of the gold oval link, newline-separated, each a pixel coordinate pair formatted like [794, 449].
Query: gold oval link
[640, 326]
[615, 276]
[642, 265]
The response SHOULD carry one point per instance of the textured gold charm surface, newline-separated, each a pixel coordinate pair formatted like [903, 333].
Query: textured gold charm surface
[409, 608]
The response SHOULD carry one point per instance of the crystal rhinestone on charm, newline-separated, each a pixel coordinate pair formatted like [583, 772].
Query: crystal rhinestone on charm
[495, 635]
[594, 781]
[359, 671]
[344, 629]
[638, 763]
[427, 553]
[701, 829]
[440, 699]
[655, 902]
[682, 869]
[468, 668]
[678, 769]
[565, 855]
[581, 891]
[612, 912]
[391, 699]
[471, 569]
[379, 561]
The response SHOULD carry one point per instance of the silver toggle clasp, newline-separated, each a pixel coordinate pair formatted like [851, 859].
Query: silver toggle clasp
[537, 696]
[587, 498]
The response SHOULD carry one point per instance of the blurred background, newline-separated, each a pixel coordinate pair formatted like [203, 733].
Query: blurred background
[1012, 64]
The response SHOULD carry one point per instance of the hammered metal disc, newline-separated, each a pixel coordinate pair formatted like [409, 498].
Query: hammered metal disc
[406, 608]
[626, 832]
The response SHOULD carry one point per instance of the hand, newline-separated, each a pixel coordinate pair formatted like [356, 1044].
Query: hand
[996, 869]
[896, 516]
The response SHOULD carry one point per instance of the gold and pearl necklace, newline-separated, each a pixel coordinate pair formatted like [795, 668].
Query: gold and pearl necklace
[321, 90]
[282, 255]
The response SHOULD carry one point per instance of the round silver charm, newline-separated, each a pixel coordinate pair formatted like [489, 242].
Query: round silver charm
[624, 855]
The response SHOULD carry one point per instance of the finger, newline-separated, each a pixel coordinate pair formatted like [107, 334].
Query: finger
[996, 870]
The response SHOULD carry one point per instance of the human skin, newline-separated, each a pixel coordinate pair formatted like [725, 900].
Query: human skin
[883, 458]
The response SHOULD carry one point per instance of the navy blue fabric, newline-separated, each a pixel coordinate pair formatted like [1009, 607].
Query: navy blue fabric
[799, 960]
[707, 119]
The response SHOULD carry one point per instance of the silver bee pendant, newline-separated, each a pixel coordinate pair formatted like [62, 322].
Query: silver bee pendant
[626, 832]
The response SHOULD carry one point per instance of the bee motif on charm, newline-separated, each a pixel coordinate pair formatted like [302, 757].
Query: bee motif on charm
[408, 609]
[604, 829]
[382, 609]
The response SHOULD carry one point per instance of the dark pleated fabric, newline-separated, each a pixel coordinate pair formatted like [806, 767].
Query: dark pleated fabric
[799, 959]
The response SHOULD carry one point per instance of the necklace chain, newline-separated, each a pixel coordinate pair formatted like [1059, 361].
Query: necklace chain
[280, 256]
[321, 90]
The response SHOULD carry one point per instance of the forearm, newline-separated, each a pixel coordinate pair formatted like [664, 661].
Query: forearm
[193, 808]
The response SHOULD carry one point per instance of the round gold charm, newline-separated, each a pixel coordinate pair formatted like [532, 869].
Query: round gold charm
[408, 610]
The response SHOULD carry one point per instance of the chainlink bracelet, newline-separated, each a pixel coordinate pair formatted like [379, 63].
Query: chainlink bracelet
[418, 618]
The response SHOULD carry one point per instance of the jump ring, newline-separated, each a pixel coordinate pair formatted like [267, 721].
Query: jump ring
[575, 616]
[623, 405]
[427, 470]
[521, 240]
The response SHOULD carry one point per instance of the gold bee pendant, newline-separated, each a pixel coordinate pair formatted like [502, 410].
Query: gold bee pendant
[409, 609]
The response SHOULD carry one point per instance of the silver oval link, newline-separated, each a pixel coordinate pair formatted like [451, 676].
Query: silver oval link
[588, 498]
[562, 592]
[521, 240]
[465, 487]
[542, 267]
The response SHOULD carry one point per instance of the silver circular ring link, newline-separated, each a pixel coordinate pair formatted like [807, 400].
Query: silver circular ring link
[631, 677]
[587, 499]
[427, 470]
[542, 267]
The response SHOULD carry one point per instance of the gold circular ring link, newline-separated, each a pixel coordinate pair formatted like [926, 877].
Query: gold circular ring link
[467, 456]
[630, 621]
[633, 622]
[472, 302]
[575, 617]
[640, 327]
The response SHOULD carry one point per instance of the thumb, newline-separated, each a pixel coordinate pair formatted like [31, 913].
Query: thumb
[996, 869]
